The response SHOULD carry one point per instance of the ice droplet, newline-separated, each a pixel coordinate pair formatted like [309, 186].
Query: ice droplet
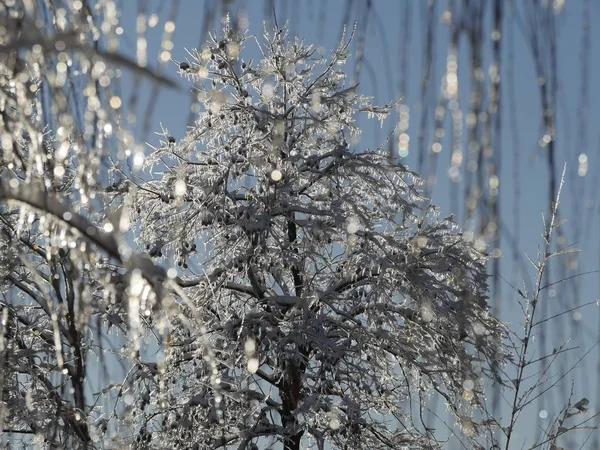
[426, 314]
[352, 224]
[252, 365]
[478, 328]
[180, 188]
[334, 423]
[468, 385]
[250, 347]
[138, 159]
[276, 175]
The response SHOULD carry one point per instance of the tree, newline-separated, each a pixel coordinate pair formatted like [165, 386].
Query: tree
[319, 299]
[332, 295]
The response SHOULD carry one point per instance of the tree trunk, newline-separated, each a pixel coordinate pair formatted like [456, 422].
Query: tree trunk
[289, 389]
[293, 442]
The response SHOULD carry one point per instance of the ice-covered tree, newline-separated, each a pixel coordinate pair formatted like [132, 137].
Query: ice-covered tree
[336, 302]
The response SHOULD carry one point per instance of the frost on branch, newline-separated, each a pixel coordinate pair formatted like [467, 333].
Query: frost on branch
[332, 295]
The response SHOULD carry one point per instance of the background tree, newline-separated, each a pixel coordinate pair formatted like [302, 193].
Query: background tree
[59, 125]
[333, 296]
